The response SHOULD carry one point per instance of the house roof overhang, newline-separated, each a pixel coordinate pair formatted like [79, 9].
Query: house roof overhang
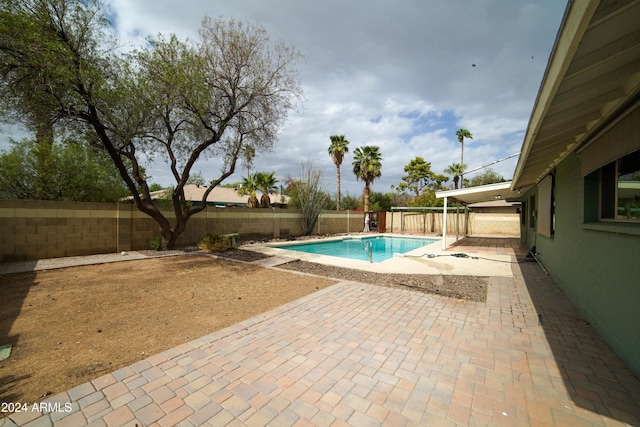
[592, 76]
[481, 193]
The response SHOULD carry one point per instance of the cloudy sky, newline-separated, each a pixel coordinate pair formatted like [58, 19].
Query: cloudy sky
[403, 75]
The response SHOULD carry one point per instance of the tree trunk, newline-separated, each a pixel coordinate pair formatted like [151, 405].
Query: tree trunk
[338, 193]
[168, 242]
[367, 191]
[44, 132]
[462, 159]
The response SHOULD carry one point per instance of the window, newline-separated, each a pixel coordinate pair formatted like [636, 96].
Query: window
[546, 206]
[532, 212]
[620, 189]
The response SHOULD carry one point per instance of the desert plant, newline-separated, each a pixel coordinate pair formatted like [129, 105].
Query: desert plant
[155, 243]
[214, 243]
[312, 197]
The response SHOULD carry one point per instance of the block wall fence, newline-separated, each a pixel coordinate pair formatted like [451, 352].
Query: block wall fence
[44, 229]
[499, 224]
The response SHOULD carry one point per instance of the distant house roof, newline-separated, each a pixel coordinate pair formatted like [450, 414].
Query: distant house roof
[219, 196]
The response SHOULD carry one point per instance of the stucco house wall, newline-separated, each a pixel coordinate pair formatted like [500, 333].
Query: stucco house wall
[597, 265]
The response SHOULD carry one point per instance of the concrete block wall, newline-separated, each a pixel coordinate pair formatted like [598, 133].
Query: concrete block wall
[39, 229]
[31, 230]
[494, 224]
[478, 223]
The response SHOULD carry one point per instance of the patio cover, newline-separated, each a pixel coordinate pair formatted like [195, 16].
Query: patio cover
[470, 195]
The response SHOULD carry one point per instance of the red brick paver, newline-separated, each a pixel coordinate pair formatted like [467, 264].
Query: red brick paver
[356, 354]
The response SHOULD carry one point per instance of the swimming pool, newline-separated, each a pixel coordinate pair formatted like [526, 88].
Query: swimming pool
[383, 247]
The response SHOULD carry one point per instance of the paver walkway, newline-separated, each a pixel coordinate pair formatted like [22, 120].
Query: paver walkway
[362, 355]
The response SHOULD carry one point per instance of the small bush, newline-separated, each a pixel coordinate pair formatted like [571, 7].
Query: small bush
[214, 243]
[155, 243]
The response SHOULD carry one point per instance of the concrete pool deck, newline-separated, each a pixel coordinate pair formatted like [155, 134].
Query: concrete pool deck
[430, 259]
[362, 355]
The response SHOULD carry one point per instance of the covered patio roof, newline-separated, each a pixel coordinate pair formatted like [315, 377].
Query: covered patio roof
[481, 193]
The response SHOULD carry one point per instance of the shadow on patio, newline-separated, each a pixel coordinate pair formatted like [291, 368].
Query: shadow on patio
[583, 366]
[594, 377]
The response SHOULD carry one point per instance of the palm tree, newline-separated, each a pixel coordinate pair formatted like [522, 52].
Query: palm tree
[367, 166]
[455, 170]
[248, 154]
[337, 150]
[249, 187]
[266, 183]
[462, 134]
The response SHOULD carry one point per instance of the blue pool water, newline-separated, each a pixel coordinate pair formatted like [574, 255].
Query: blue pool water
[383, 247]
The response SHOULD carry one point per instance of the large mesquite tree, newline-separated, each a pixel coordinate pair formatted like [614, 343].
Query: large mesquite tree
[180, 101]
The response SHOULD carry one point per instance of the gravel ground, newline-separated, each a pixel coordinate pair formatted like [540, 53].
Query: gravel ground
[469, 288]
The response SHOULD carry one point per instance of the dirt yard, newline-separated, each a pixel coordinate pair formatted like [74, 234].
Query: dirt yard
[71, 325]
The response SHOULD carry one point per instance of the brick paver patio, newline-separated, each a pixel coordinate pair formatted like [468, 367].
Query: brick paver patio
[362, 355]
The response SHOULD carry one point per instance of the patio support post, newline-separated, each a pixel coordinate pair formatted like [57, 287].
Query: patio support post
[444, 226]
[466, 221]
[457, 221]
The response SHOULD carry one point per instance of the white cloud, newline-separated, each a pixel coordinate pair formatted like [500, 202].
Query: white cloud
[399, 75]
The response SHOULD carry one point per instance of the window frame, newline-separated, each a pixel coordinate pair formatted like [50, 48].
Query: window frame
[546, 206]
[608, 201]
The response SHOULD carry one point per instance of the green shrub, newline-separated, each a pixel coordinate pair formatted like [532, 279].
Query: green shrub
[214, 243]
[155, 243]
